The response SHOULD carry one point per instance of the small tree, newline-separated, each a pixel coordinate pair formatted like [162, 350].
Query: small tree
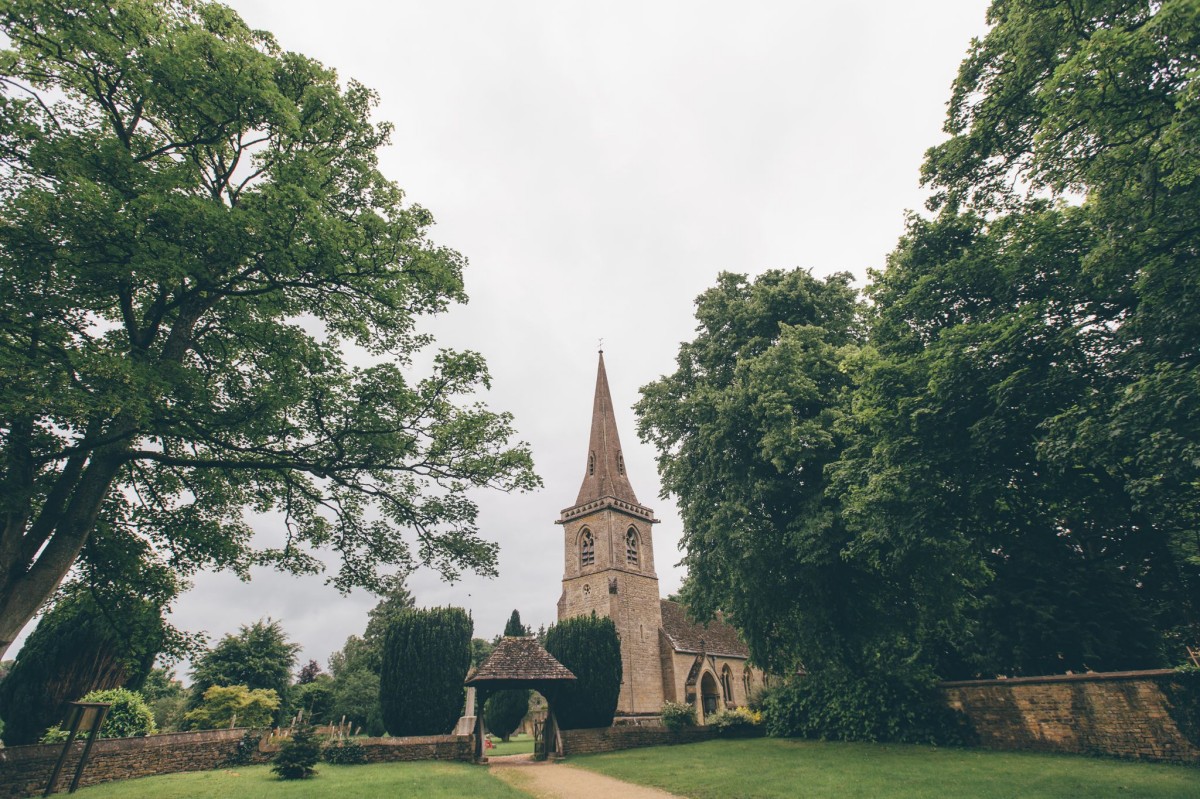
[128, 716]
[426, 654]
[591, 648]
[298, 755]
[224, 705]
[514, 625]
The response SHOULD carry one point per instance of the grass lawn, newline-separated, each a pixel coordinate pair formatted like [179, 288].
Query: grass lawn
[428, 780]
[765, 768]
[516, 745]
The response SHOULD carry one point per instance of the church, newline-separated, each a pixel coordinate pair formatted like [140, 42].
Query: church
[608, 569]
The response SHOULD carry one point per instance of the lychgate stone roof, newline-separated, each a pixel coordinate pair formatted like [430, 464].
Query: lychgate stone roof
[518, 658]
[717, 637]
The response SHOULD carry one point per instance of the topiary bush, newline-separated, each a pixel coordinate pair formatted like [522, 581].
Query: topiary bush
[426, 654]
[835, 704]
[298, 754]
[591, 648]
[677, 715]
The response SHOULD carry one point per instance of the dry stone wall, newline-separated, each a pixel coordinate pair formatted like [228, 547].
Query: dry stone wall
[1120, 714]
[612, 739]
[24, 770]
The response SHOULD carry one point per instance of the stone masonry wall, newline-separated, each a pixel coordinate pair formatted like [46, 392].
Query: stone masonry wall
[612, 739]
[24, 770]
[1121, 714]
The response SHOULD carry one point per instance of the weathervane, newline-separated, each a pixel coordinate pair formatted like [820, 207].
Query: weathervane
[600, 345]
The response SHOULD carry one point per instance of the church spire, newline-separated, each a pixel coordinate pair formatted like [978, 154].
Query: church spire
[605, 475]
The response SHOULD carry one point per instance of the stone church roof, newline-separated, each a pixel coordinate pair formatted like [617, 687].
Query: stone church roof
[518, 658]
[717, 637]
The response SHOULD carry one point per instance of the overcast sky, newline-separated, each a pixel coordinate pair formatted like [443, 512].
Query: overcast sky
[599, 164]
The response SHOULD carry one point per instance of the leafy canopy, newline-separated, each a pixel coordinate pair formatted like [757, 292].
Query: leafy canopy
[193, 234]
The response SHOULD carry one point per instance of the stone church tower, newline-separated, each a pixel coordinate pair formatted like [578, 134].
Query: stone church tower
[609, 560]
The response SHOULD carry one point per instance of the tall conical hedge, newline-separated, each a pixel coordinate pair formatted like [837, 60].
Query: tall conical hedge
[591, 648]
[426, 654]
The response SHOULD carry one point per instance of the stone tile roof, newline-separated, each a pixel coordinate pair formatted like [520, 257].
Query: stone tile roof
[717, 637]
[518, 658]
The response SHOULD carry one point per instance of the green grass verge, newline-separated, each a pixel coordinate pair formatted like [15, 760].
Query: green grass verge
[515, 745]
[428, 780]
[767, 768]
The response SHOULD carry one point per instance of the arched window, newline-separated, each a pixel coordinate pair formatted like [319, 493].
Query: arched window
[746, 681]
[631, 546]
[591, 463]
[727, 683]
[587, 548]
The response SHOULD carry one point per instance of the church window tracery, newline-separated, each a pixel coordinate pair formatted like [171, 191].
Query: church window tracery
[587, 548]
[631, 546]
[727, 683]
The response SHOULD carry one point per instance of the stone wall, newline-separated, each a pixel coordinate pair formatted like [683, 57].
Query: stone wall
[612, 739]
[24, 770]
[1121, 714]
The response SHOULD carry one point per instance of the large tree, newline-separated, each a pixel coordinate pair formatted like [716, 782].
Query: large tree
[193, 229]
[1036, 395]
[745, 428]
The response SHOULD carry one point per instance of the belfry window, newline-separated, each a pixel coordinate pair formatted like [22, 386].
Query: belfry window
[587, 548]
[591, 463]
[631, 547]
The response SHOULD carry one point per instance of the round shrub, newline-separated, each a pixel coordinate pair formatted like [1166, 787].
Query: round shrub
[740, 722]
[591, 648]
[426, 654]
[128, 716]
[677, 715]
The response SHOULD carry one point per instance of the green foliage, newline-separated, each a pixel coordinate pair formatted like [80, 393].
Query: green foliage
[591, 648]
[745, 429]
[179, 194]
[356, 698]
[227, 705]
[514, 625]
[426, 655]
[315, 698]
[128, 716]
[298, 754]
[1183, 691]
[78, 646]
[258, 657]
[504, 710]
[355, 668]
[167, 699]
[480, 649]
[344, 752]
[243, 753]
[677, 715]
[838, 705]
[737, 723]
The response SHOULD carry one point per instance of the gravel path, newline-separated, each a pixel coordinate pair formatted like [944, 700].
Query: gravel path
[559, 781]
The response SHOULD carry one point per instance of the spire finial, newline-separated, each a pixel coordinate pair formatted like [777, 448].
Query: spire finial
[600, 346]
